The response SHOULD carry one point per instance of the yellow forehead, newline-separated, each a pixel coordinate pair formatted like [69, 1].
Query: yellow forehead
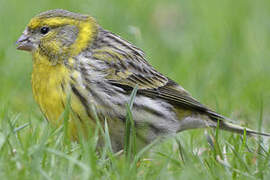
[54, 21]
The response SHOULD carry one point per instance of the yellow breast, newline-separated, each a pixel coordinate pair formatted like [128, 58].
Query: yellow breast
[46, 85]
[51, 90]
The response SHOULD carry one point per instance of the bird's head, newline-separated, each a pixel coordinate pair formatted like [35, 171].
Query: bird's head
[58, 34]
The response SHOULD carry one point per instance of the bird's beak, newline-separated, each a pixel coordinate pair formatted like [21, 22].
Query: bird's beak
[24, 43]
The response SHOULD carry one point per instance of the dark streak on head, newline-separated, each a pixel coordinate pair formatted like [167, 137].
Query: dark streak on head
[62, 13]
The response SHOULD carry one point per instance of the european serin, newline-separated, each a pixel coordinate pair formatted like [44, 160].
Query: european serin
[73, 55]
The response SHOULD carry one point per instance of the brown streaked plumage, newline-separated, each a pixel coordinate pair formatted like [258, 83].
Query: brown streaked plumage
[72, 54]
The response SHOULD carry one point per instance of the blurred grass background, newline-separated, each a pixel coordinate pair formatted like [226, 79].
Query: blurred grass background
[217, 50]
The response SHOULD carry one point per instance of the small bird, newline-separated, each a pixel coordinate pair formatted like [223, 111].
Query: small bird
[77, 62]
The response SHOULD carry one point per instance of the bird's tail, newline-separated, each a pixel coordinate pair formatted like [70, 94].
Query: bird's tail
[215, 120]
[239, 129]
[224, 124]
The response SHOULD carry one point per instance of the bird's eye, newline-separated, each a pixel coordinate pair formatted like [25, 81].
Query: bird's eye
[44, 30]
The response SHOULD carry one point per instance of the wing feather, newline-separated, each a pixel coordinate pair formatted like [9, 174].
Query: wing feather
[130, 68]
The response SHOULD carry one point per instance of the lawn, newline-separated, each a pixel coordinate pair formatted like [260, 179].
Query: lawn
[217, 50]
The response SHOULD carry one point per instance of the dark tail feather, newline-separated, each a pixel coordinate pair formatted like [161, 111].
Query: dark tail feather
[225, 125]
[239, 129]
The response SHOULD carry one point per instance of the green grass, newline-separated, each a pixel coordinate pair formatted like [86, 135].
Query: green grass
[217, 50]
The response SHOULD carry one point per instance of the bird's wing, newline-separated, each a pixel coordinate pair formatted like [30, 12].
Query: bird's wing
[176, 95]
[128, 68]
[171, 92]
